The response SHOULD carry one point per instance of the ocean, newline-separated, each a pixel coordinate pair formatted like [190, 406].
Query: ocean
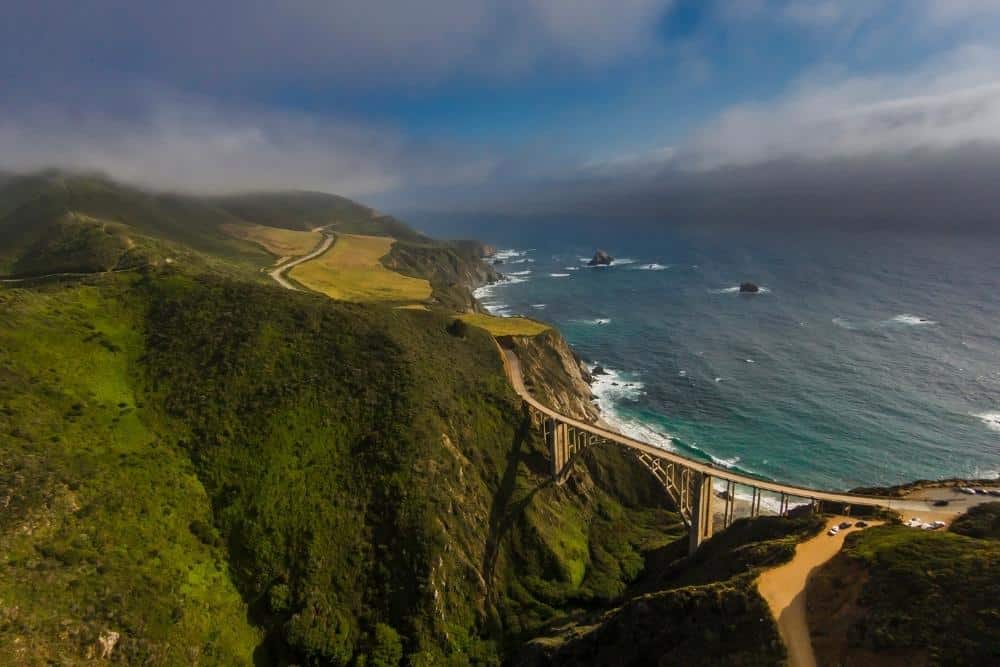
[866, 359]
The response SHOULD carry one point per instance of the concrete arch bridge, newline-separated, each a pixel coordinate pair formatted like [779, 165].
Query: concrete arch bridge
[690, 484]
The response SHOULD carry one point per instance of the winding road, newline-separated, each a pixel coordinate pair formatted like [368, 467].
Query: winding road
[278, 272]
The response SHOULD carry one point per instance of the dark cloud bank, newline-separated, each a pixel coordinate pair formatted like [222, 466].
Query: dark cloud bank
[937, 191]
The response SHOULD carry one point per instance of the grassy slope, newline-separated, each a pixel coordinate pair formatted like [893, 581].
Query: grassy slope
[352, 271]
[896, 595]
[505, 326]
[450, 267]
[170, 440]
[308, 210]
[53, 222]
[95, 533]
[699, 610]
[279, 242]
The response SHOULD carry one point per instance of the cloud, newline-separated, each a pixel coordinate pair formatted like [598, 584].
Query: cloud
[171, 141]
[946, 104]
[321, 41]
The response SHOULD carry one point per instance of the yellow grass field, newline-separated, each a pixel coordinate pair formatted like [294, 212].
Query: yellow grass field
[504, 326]
[278, 242]
[351, 271]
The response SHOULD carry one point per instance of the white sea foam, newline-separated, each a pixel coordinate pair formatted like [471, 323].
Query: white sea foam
[597, 321]
[614, 387]
[910, 320]
[622, 260]
[538, 306]
[725, 463]
[572, 268]
[522, 260]
[526, 272]
[750, 361]
[844, 323]
[682, 373]
[990, 419]
[651, 267]
[559, 275]
[736, 288]
[769, 504]
[509, 253]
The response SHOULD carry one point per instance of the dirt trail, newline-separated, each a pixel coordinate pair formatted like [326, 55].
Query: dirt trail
[278, 273]
[784, 589]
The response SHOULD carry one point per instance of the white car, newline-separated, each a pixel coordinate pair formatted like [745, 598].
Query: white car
[833, 531]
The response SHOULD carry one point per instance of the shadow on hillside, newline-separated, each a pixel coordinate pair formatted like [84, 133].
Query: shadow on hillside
[503, 513]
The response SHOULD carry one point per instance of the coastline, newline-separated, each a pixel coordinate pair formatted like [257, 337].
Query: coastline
[606, 387]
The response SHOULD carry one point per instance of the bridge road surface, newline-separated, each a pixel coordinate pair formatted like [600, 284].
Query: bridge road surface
[513, 367]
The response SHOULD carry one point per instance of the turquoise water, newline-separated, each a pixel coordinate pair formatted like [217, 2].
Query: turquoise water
[870, 359]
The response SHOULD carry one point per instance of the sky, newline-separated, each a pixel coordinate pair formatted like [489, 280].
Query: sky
[554, 104]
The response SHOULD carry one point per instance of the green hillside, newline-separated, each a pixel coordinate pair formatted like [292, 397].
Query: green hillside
[898, 595]
[221, 475]
[214, 470]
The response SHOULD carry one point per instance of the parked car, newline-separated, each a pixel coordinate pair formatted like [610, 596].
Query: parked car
[940, 503]
[994, 492]
[965, 489]
[833, 531]
[844, 524]
[861, 524]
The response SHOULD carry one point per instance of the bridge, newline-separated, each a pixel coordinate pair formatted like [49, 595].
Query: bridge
[689, 483]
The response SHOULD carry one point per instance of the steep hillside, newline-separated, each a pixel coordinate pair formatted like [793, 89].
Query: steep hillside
[901, 596]
[67, 222]
[308, 210]
[222, 472]
[55, 221]
[699, 610]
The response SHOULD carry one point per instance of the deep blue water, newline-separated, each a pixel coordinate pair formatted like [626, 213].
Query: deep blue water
[870, 359]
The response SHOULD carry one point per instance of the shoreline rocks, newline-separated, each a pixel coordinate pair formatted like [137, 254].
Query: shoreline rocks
[749, 288]
[601, 258]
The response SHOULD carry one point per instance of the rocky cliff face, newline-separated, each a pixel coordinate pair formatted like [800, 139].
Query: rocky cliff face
[554, 374]
[454, 269]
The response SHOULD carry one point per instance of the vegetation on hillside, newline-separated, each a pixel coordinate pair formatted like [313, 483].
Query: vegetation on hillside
[451, 267]
[219, 471]
[105, 524]
[352, 271]
[301, 210]
[189, 453]
[900, 595]
[279, 242]
[703, 609]
[504, 326]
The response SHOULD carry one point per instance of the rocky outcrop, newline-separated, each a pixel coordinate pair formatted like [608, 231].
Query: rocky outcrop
[453, 268]
[749, 288]
[555, 374]
[600, 258]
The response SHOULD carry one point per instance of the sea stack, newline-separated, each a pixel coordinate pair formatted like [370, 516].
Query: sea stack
[749, 288]
[600, 258]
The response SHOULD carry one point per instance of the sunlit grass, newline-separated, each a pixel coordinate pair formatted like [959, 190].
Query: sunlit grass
[505, 326]
[278, 242]
[351, 271]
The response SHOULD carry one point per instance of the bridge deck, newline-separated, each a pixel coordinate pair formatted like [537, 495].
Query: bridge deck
[513, 367]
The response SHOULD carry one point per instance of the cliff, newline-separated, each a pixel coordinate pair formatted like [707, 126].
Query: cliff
[554, 373]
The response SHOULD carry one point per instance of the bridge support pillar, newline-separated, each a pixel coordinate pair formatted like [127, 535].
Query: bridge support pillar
[557, 439]
[701, 511]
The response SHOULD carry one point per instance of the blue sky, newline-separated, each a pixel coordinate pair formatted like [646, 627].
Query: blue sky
[383, 100]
